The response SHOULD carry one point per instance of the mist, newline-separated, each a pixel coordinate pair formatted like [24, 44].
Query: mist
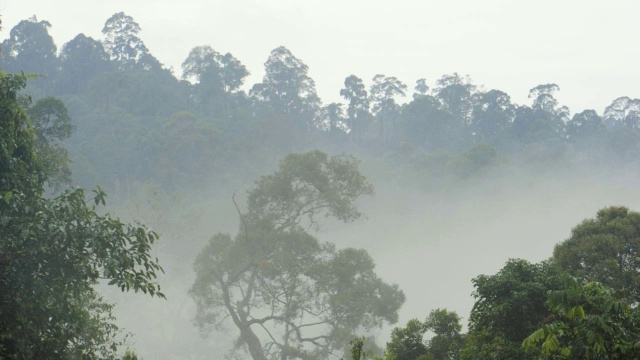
[464, 179]
[431, 243]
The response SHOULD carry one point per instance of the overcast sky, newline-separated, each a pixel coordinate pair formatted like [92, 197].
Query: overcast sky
[589, 48]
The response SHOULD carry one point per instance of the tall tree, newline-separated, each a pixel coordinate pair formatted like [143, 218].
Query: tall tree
[31, 49]
[125, 46]
[358, 114]
[288, 88]
[81, 59]
[624, 112]
[584, 125]
[622, 119]
[493, 114]
[382, 96]
[421, 88]
[290, 296]
[333, 117]
[455, 94]
[216, 76]
[544, 121]
[424, 124]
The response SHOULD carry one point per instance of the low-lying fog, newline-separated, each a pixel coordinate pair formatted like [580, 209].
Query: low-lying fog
[430, 242]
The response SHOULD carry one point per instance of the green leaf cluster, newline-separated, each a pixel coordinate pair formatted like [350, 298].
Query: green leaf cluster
[54, 250]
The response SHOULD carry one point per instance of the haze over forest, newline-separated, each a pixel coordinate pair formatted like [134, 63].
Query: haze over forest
[288, 226]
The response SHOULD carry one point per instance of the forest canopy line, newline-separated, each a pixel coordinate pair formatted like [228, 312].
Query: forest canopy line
[115, 88]
[108, 112]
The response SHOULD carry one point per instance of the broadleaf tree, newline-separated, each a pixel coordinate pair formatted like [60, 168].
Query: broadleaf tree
[289, 295]
[605, 249]
[54, 250]
[288, 88]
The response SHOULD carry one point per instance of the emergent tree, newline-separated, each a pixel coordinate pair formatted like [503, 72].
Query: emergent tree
[289, 295]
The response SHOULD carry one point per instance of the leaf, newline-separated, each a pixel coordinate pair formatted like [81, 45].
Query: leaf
[7, 197]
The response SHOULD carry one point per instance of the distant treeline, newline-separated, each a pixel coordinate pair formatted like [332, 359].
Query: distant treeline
[135, 121]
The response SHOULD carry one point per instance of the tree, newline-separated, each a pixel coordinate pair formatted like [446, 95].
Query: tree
[358, 114]
[216, 76]
[52, 126]
[289, 295]
[287, 87]
[408, 343]
[81, 59]
[589, 322]
[447, 340]
[358, 350]
[605, 249]
[207, 65]
[624, 112]
[31, 49]
[543, 122]
[382, 96]
[53, 251]
[333, 116]
[189, 143]
[19, 167]
[587, 133]
[124, 46]
[509, 306]
[424, 124]
[455, 94]
[622, 119]
[421, 88]
[584, 126]
[492, 115]
[543, 99]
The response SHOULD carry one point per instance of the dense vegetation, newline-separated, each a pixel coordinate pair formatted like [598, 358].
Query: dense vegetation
[123, 101]
[108, 112]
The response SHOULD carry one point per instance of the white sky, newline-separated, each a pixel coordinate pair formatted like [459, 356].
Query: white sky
[589, 48]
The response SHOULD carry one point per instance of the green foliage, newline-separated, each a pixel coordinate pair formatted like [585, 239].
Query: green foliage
[408, 343]
[479, 158]
[81, 59]
[216, 78]
[52, 126]
[19, 167]
[487, 347]
[288, 88]
[53, 251]
[123, 44]
[509, 306]
[589, 322]
[130, 355]
[358, 351]
[424, 124]
[493, 114]
[31, 49]
[122, 91]
[605, 249]
[280, 285]
[447, 340]
[308, 185]
[382, 96]
[358, 114]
